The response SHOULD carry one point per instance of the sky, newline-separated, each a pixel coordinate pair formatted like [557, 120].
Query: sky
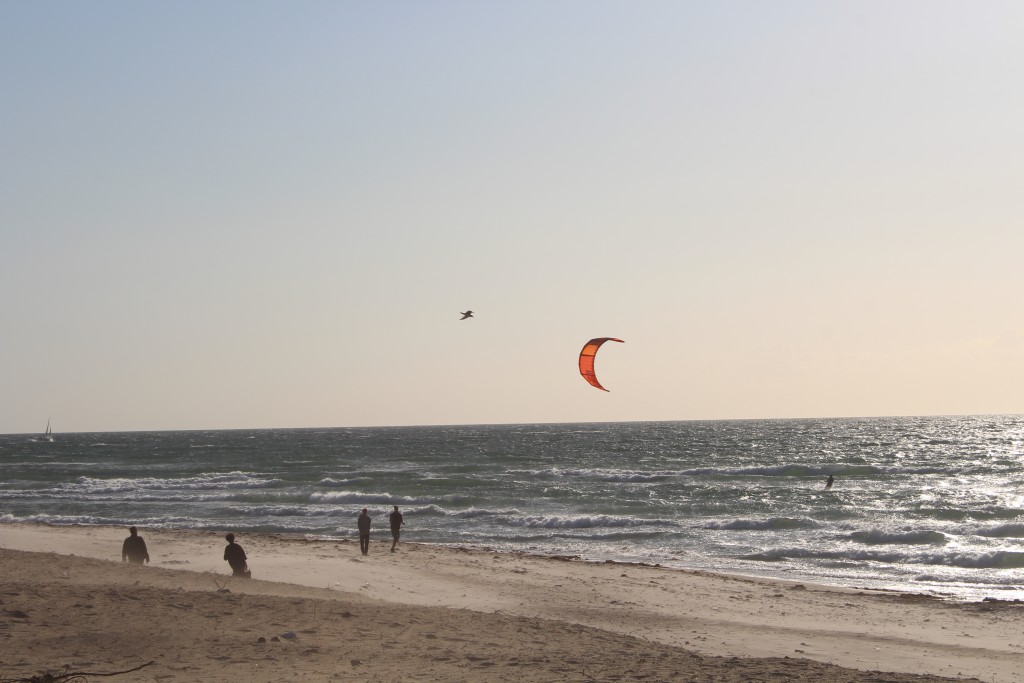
[247, 214]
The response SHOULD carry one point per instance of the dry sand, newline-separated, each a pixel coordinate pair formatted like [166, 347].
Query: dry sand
[319, 611]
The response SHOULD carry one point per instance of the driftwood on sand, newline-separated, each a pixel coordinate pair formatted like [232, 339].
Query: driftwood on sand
[69, 676]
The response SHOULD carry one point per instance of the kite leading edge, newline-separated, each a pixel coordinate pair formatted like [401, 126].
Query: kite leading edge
[587, 356]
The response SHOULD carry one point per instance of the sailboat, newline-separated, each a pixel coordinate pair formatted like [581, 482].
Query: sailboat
[48, 434]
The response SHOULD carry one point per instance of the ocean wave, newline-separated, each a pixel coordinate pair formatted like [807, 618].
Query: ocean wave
[1003, 531]
[97, 520]
[880, 537]
[986, 579]
[568, 537]
[990, 560]
[1001, 559]
[429, 510]
[411, 510]
[515, 518]
[791, 470]
[633, 477]
[919, 470]
[768, 524]
[230, 480]
[946, 514]
[278, 510]
[256, 495]
[624, 476]
[360, 498]
[363, 498]
[801, 470]
[475, 513]
[329, 482]
[581, 521]
[975, 513]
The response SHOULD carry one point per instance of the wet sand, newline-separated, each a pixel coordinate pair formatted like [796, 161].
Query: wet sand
[319, 611]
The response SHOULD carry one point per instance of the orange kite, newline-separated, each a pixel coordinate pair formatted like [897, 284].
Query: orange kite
[587, 359]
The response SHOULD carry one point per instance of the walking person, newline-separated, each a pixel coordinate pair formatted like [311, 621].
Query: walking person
[396, 527]
[133, 549]
[364, 532]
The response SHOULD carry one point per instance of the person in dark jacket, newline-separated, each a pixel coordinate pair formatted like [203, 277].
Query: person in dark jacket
[364, 532]
[396, 527]
[236, 558]
[134, 548]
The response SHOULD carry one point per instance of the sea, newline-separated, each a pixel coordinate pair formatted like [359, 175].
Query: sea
[931, 505]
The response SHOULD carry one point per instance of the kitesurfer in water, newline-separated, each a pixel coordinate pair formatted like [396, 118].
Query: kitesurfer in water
[828, 482]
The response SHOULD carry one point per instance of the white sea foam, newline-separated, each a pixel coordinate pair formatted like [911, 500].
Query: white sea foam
[331, 482]
[229, 480]
[580, 521]
[361, 498]
[597, 474]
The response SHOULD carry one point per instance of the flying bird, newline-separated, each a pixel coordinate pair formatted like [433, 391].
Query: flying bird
[466, 314]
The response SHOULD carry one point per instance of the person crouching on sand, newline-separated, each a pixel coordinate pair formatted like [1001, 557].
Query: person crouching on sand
[134, 548]
[236, 558]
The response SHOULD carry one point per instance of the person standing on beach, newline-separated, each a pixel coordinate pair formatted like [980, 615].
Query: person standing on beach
[236, 558]
[364, 532]
[396, 527]
[134, 548]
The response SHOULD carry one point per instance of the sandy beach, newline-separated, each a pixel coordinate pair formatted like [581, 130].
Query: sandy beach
[318, 610]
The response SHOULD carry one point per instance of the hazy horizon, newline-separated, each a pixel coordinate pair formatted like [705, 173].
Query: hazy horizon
[514, 424]
[252, 214]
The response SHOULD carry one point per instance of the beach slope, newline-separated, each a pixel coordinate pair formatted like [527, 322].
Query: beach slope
[318, 610]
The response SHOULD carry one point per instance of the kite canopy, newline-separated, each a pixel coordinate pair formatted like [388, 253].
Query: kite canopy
[587, 359]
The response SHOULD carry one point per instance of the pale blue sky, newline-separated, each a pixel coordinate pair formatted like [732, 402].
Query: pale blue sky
[269, 214]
